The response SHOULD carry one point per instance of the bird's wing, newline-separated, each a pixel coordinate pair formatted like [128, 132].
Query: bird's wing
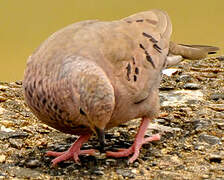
[137, 46]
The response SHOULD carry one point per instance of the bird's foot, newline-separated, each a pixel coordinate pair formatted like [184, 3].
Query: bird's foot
[139, 141]
[134, 149]
[73, 152]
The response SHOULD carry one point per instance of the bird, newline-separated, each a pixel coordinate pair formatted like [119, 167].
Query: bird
[94, 75]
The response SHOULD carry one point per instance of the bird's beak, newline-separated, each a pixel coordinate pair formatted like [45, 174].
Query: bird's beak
[101, 136]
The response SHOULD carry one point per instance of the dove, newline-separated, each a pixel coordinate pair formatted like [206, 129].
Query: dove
[94, 75]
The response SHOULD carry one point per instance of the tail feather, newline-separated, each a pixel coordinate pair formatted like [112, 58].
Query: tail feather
[209, 49]
[192, 51]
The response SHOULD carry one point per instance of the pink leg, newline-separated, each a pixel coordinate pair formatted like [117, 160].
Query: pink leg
[139, 141]
[73, 152]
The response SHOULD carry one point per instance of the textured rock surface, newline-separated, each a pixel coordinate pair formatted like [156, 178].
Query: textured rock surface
[181, 154]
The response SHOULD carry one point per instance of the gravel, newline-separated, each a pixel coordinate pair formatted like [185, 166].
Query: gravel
[191, 125]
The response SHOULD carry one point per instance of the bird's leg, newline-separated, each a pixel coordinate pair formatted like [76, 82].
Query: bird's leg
[73, 152]
[139, 141]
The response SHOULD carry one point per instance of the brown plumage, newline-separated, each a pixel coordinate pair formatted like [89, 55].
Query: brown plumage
[93, 75]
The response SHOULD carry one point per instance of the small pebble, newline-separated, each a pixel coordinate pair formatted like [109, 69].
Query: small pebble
[201, 124]
[217, 96]
[220, 125]
[199, 147]
[161, 121]
[3, 176]
[212, 140]
[98, 172]
[33, 163]
[217, 107]
[120, 177]
[179, 167]
[125, 173]
[169, 72]
[215, 158]
[184, 78]
[136, 164]
[2, 99]
[60, 147]
[142, 172]
[111, 161]
[2, 110]
[205, 176]
[2, 158]
[134, 171]
[220, 58]
[175, 159]
[3, 88]
[191, 86]
[154, 163]
[19, 82]
[16, 143]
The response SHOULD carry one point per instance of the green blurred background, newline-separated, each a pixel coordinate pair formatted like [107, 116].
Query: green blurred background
[24, 24]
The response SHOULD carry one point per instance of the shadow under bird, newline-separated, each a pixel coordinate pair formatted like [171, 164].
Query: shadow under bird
[94, 75]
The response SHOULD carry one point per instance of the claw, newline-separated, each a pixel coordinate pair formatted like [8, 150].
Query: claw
[73, 152]
[139, 141]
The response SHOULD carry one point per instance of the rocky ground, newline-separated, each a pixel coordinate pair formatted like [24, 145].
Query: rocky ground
[191, 121]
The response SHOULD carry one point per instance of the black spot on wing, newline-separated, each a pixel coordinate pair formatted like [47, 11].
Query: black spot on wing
[141, 100]
[136, 70]
[156, 47]
[152, 39]
[135, 78]
[128, 71]
[139, 20]
[133, 59]
[141, 46]
[151, 21]
[148, 57]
